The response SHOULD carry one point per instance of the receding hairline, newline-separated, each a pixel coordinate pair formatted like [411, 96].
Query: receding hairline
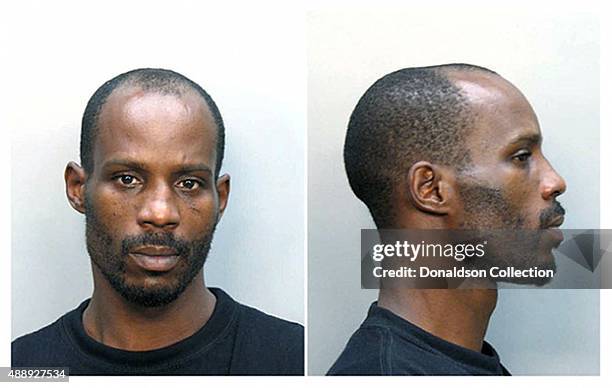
[133, 91]
[476, 85]
[487, 93]
[186, 92]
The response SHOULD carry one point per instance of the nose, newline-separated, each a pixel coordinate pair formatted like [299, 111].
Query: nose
[158, 209]
[552, 184]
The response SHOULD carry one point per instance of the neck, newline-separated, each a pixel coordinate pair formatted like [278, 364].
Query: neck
[115, 322]
[457, 316]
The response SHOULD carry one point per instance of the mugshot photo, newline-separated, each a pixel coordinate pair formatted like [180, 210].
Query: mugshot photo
[467, 118]
[164, 233]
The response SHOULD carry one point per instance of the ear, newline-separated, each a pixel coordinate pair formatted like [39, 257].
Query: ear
[429, 187]
[75, 178]
[223, 190]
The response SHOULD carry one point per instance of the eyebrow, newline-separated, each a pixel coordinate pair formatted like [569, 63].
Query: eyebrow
[195, 167]
[126, 163]
[530, 139]
[185, 168]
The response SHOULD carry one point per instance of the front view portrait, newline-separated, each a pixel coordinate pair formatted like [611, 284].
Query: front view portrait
[149, 185]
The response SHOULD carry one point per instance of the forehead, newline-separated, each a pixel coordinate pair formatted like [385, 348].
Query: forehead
[501, 113]
[155, 128]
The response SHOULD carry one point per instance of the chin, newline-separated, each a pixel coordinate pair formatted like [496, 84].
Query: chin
[543, 261]
[155, 282]
[150, 296]
[150, 291]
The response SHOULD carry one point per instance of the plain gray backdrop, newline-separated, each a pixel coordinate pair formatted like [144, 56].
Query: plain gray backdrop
[258, 82]
[553, 58]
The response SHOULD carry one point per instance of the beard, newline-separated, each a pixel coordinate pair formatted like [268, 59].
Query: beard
[110, 256]
[511, 244]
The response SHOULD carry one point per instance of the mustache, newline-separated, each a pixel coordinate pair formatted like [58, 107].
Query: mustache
[548, 215]
[128, 244]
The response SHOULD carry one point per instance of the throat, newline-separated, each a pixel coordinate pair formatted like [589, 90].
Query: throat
[119, 324]
[460, 317]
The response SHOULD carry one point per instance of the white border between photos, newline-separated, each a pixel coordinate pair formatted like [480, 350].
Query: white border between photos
[605, 181]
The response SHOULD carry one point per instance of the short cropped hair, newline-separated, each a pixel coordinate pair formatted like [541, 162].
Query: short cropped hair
[149, 80]
[409, 115]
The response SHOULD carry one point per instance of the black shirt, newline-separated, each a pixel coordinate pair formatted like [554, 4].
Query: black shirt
[386, 344]
[236, 340]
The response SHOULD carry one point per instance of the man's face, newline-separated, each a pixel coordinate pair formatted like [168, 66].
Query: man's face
[509, 184]
[151, 202]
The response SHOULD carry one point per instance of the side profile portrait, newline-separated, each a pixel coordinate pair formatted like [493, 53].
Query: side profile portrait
[150, 187]
[448, 147]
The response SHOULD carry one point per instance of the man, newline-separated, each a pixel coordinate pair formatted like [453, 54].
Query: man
[445, 147]
[152, 143]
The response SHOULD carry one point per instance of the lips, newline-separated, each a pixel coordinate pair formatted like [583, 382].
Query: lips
[556, 222]
[155, 258]
[554, 232]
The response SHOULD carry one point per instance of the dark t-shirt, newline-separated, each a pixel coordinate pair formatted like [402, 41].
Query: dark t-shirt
[386, 344]
[236, 340]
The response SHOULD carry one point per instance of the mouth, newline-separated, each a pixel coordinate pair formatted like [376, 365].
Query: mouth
[155, 258]
[556, 222]
[554, 232]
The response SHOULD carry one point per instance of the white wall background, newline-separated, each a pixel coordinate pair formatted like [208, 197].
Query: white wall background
[251, 65]
[552, 55]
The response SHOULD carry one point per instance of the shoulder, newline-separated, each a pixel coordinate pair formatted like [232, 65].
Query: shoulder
[268, 329]
[37, 348]
[365, 353]
[267, 345]
[269, 333]
[378, 350]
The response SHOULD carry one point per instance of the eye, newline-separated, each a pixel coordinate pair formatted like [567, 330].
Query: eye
[189, 184]
[127, 180]
[522, 156]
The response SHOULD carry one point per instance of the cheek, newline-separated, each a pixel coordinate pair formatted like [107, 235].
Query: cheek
[523, 196]
[112, 209]
[518, 194]
[201, 213]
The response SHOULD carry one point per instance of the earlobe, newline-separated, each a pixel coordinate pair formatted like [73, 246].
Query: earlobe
[75, 178]
[223, 190]
[427, 188]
